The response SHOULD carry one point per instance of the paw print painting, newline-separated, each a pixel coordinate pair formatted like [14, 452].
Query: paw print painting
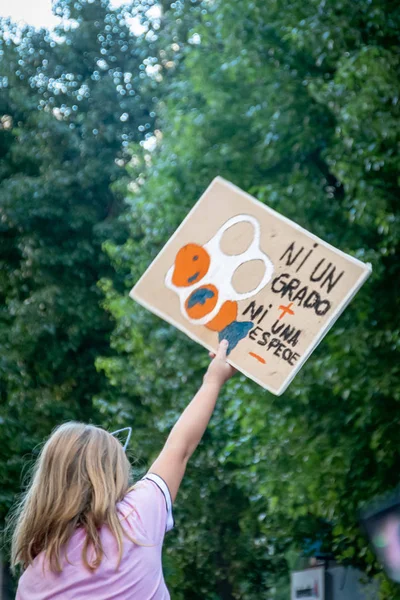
[201, 276]
[237, 270]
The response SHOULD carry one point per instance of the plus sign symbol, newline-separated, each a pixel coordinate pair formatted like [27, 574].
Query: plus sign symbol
[286, 310]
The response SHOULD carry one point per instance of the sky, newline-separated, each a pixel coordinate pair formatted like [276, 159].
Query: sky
[35, 12]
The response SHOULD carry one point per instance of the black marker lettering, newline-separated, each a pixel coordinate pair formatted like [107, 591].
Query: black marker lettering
[290, 259]
[306, 257]
[330, 281]
[253, 312]
[314, 275]
[316, 299]
[293, 340]
[264, 314]
[265, 338]
[279, 348]
[322, 311]
[277, 280]
[292, 285]
[273, 343]
[253, 333]
[300, 295]
[277, 327]
[287, 354]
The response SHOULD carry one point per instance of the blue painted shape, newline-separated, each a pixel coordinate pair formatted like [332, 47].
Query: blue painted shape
[200, 296]
[234, 332]
[193, 277]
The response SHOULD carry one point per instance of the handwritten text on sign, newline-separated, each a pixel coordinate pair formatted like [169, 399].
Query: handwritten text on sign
[236, 269]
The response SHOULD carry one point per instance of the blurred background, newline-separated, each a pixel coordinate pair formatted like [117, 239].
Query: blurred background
[114, 117]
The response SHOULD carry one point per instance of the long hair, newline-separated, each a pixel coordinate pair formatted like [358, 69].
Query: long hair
[80, 475]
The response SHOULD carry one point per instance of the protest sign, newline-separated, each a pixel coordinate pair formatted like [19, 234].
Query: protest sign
[235, 269]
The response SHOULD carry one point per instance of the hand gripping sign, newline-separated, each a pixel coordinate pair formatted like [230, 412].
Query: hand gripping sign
[275, 317]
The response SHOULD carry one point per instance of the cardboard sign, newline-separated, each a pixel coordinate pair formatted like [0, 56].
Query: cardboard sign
[237, 270]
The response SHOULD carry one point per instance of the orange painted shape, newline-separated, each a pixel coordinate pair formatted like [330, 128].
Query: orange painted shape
[191, 264]
[286, 309]
[225, 316]
[259, 358]
[200, 310]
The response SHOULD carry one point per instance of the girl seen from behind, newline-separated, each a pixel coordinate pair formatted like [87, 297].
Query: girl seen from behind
[82, 531]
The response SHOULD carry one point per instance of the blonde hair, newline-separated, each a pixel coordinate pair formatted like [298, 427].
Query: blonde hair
[80, 475]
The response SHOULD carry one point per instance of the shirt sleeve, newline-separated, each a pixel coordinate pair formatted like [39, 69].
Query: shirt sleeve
[148, 508]
[162, 486]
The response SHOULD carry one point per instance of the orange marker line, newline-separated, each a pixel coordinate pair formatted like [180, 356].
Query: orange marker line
[286, 309]
[260, 358]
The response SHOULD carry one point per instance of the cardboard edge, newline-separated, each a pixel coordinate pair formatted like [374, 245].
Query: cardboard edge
[339, 310]
[278, 215]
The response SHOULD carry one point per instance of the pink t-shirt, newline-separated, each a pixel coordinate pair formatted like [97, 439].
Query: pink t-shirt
[146, 514]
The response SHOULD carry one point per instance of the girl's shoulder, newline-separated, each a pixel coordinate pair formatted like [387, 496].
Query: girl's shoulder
[147, 508]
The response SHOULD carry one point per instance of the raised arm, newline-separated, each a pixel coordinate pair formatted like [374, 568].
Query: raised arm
[191, 425]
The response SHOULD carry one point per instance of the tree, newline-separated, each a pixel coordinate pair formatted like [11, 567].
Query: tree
[70, 103]
[299, 107]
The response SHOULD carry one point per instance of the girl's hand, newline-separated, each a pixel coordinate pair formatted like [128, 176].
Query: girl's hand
[219, 370]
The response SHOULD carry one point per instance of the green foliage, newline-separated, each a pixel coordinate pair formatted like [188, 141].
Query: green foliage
[67, 117]
[300, 107]
[297, 105]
